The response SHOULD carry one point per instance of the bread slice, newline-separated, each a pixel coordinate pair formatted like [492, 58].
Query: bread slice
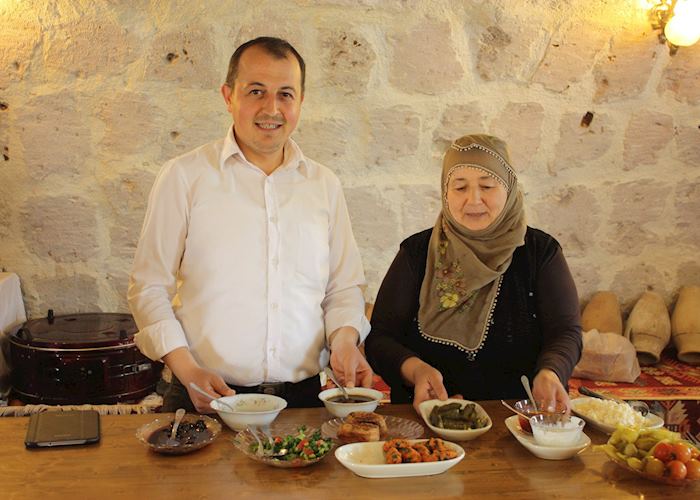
[360, 432]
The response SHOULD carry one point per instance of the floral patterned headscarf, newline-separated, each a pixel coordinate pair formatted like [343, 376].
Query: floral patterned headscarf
[464, 268]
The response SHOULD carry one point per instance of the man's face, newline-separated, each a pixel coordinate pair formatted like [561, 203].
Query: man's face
[265, 104]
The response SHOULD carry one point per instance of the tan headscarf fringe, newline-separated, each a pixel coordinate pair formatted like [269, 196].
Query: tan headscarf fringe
[464, 268]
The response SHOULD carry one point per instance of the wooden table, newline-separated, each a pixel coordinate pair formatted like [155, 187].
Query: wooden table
[496, 465]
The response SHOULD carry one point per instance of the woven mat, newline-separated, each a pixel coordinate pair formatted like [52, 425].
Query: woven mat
[148, 405]
[666, 381]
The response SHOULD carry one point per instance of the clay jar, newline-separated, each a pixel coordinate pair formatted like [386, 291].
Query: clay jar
[649, 328]
[685, 325]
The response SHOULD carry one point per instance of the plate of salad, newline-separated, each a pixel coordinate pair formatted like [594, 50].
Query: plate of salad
[289, 445]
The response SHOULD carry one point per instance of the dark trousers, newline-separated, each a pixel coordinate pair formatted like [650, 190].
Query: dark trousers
[302, 394]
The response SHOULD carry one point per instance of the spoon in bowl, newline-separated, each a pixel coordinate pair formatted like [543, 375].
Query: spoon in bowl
[526, 385]
[329, 373]
[172, 441]
[211, 398]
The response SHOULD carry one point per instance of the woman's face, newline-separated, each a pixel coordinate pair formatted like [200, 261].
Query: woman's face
[474, 198]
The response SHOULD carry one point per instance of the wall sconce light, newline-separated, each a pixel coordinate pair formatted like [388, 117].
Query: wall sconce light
[677, 20]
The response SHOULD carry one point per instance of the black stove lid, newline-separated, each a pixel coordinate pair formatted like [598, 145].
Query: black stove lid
[78, 330]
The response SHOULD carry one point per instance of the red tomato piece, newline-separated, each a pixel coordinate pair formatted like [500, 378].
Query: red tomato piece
[693, 467]
[677, 470]
[663, 451]
[682, 452]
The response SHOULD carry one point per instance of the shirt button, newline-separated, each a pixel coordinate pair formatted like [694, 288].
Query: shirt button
[273, 306]
[275, 261]
[273, 219]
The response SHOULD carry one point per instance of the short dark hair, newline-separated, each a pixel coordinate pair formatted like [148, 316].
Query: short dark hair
[276, 47]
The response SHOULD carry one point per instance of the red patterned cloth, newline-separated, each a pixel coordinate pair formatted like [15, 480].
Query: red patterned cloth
[671, 388]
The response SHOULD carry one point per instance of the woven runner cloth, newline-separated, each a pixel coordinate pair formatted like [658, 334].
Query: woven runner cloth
[148, 405]
[668, 380]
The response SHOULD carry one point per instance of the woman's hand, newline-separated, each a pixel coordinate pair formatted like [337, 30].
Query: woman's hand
[547, 388]
[426, 381]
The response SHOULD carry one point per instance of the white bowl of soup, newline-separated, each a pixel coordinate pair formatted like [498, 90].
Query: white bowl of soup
[249, 410]
[360, 399]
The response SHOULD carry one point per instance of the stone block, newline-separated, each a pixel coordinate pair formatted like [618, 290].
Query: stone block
[127, 195]
[687, 141]
[457, 120]
[324, 140]
[579, 145]
[625, 72]
[424, 60]
[505, 50]
[572, 215]
[67, 293]
[54, 134]
[569, 57]
[186, 56]
[520, 125]
[632, 280]
[374, 219]
[681, 75]
[130, 121]
[16, 52]
[421, 206]
[686, 201]
[348, 60]
[89, 46]
[395, 134]
[60, 228]
[688, 273]
[647, 135]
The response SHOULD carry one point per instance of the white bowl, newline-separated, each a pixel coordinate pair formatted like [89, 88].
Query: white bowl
[452, 434]
[553, 431]
[340, 409]
[251, 410]
[546, 452]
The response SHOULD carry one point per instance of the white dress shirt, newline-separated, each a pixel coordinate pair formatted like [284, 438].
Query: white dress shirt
[250, 272]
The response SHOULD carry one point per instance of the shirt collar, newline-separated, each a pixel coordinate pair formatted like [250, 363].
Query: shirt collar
[293, 159]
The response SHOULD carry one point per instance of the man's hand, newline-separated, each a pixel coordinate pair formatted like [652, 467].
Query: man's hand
[426, 381]
[548, 389]
[347, 362]
[187, 370]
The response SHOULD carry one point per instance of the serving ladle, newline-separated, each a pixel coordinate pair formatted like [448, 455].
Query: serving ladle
[329, 373]
[211, 398]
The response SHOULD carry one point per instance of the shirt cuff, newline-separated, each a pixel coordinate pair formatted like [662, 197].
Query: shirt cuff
[360, 324]
[158, 339]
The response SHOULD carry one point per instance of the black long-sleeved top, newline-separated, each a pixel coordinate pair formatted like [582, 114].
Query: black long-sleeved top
[536, 324]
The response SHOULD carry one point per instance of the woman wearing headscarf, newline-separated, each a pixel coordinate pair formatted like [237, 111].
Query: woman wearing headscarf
[469, 306]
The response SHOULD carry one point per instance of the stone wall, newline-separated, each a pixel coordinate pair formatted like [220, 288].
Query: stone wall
[96, 95]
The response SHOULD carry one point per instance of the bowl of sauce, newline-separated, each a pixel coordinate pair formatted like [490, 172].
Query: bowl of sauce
[359, 399]
[526, 407]
[194, 432]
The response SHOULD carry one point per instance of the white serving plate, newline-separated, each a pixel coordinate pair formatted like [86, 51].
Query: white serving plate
[546, 452]
[652, 421]
[367, 460]
[455, 435]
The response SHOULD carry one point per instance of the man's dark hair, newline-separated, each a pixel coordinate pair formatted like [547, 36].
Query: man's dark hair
[276, 47]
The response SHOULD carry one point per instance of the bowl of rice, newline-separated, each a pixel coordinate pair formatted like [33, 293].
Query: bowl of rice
[606, 415]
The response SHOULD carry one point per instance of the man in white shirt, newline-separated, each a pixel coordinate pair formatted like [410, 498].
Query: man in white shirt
[247, 276]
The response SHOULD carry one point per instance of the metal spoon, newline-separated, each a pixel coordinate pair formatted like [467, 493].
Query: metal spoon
[330, 375]
[211, 398]
[526, 385]
[172, 441]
